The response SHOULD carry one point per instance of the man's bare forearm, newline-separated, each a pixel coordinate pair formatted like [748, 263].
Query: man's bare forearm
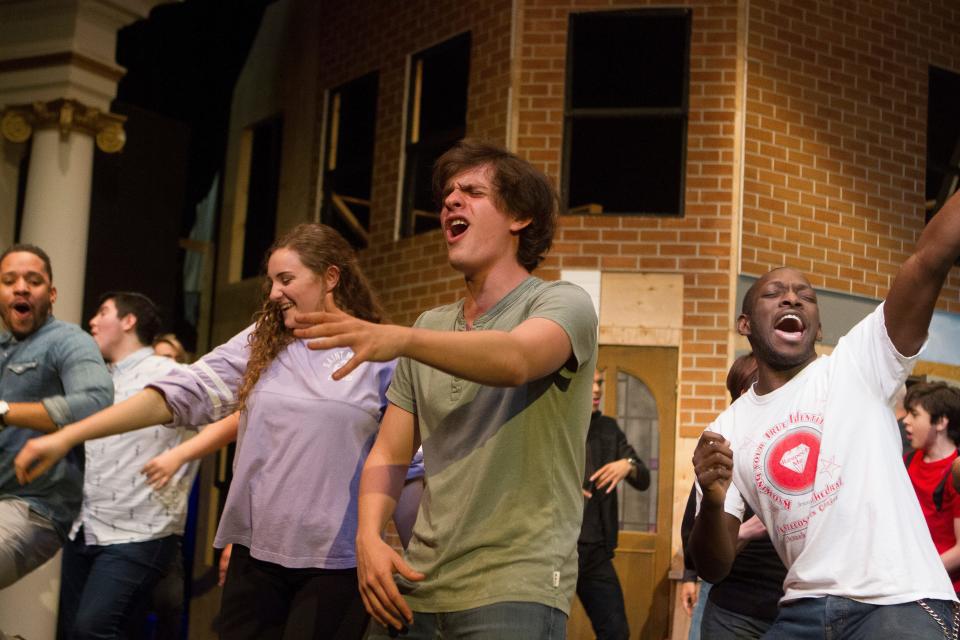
[380, 487]
[913, 294]
[494, 358]
[385, 470]
[713, 542]
[30, 415]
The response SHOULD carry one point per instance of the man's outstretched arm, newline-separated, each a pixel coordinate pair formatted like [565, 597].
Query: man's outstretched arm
[913, 294]
[534, 349]
[714, 536]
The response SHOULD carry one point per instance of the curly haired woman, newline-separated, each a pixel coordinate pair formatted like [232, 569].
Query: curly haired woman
[291, 512]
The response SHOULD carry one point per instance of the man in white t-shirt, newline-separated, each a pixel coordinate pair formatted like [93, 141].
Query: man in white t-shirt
[814, 449]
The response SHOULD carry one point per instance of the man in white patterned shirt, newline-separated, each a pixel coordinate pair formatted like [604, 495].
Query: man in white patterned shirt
[127, 534]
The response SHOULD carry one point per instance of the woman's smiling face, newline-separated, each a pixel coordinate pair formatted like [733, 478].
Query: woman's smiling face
[293, 286]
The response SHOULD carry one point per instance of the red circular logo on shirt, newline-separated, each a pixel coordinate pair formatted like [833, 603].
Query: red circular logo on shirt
[791, 460]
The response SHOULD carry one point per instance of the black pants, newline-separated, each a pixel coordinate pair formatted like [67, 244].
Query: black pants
[599, 591]
[263, 600]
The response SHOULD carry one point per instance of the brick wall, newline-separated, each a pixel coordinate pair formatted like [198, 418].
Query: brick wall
[834, 147]
[697, 245]
[412, 275]
[836, 137]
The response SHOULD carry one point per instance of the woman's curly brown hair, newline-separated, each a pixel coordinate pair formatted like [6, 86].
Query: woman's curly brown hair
[318, 247]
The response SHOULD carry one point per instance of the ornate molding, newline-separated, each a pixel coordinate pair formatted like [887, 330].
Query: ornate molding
[18, 122]
[63, 59]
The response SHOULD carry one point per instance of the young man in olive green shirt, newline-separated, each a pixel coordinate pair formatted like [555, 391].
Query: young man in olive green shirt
[497, 387]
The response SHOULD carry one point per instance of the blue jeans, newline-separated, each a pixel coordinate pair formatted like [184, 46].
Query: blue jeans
[835, 618]
[722, 624]
[500, 621]
[102, 586]
[696, 619]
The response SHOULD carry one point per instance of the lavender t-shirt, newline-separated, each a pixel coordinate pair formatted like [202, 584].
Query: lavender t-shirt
[301, 445]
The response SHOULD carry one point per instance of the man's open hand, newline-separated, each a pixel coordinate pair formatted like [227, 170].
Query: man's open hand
[376, 564]
[611, 474]
[369, 341]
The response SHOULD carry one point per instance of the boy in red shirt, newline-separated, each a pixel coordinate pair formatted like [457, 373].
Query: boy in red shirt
[933, 426]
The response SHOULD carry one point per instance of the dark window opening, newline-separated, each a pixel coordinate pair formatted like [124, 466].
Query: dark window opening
[263, 188]
[625, 122]
[437, 110]
[943, 138]
[21, 192]
[348, 166]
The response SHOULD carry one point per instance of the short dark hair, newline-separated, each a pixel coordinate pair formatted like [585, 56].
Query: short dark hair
[35, 250]
[940, 400]
[750, 297]
[148, 317]
[519, 189]
[742, 374]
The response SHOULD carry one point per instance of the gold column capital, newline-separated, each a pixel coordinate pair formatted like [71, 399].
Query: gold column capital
[19, 121]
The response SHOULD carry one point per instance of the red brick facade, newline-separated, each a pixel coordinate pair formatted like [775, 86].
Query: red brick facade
[836, 137]
[833, 158]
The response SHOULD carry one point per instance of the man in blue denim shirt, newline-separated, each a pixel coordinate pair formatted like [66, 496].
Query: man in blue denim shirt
[51, 374]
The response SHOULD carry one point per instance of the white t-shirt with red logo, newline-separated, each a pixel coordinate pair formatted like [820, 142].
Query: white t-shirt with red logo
[819, 460]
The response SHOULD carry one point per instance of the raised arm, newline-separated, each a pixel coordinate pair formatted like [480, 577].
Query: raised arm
[380, 485]
[714, 535]
[534, 349]
[913, 294]
[143, 409]
[210, 439]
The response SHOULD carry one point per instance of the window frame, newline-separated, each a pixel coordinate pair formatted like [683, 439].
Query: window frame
[681, 113]
[413, 141]
[330, 157]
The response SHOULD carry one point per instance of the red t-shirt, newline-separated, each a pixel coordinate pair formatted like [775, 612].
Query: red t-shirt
[925, 477]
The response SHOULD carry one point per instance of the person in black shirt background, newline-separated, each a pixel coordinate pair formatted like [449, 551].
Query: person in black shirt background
[610, 459]
[744, 604]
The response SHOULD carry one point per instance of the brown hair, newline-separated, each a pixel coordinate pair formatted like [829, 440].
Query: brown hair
[742, 374]
[172, 340]
[519, 189]
[940, 400]
[35, 250]
[318, 247]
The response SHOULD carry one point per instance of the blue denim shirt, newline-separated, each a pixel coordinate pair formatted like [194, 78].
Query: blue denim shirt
[60, 366]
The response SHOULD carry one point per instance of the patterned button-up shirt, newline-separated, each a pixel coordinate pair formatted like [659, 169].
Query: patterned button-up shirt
[118, 504]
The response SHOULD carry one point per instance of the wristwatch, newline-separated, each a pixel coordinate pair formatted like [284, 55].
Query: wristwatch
[633, 461]
[4, 408]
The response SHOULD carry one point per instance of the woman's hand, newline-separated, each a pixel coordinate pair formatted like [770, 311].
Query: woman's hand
[162, 468]
[38, 455]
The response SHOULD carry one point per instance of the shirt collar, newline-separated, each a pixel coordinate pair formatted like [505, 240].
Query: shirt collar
[131, 360]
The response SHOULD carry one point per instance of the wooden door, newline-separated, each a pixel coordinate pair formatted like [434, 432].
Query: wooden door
[640, 390]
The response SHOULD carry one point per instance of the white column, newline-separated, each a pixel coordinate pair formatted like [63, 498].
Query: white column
[56, 211]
